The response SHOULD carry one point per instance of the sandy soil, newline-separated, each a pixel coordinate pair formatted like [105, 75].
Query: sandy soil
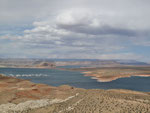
[23, 96]
[111, 73]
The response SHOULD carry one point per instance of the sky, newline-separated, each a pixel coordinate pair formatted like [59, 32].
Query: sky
[75, 29]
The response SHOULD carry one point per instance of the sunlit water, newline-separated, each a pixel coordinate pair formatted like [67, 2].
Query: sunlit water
[60, 77]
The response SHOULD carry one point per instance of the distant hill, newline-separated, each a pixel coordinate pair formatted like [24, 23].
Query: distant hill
[45, 65]
[66, 62]
[132, 62]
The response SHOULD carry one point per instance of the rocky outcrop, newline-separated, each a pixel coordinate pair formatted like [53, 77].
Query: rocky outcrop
[45, 65]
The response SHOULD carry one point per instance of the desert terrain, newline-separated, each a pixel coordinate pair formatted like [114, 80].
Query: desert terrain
[23, 96]
[107, 74]
[53, 63]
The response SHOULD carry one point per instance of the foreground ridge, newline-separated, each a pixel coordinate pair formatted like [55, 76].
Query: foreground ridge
[29, 105]
[23, 96]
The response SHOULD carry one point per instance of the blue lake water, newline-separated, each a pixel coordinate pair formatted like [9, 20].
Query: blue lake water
[60, 77]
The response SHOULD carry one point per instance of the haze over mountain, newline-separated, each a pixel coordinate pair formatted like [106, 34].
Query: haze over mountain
[53, 63]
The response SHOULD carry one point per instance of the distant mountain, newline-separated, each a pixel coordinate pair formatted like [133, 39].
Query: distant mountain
[66, 62]
[46, 65]
[131, 62]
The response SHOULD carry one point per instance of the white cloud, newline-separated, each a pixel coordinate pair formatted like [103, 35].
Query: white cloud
[80, 28]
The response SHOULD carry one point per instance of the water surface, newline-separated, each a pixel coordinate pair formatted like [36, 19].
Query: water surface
[56, 77]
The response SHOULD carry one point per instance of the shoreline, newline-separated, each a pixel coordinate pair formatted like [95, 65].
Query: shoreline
[112, 78]
[18, 95]
[98, 77]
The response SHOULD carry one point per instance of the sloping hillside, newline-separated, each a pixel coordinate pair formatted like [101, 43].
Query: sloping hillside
[23, 96]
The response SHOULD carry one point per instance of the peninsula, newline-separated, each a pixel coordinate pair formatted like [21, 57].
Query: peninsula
[107, 74]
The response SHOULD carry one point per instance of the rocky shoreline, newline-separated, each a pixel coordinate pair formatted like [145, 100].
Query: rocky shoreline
[17, 95]
[100, 78]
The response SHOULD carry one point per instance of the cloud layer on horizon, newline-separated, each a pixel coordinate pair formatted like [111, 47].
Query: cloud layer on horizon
[78, 29]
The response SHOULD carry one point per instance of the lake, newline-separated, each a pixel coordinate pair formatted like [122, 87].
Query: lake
[56, 77]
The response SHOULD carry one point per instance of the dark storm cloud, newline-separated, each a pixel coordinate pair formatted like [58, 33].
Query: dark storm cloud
[102, 30]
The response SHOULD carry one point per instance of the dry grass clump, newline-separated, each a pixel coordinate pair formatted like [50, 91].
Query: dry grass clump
[101, 101]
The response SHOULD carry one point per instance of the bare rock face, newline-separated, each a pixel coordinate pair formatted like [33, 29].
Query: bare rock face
[46, 65]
